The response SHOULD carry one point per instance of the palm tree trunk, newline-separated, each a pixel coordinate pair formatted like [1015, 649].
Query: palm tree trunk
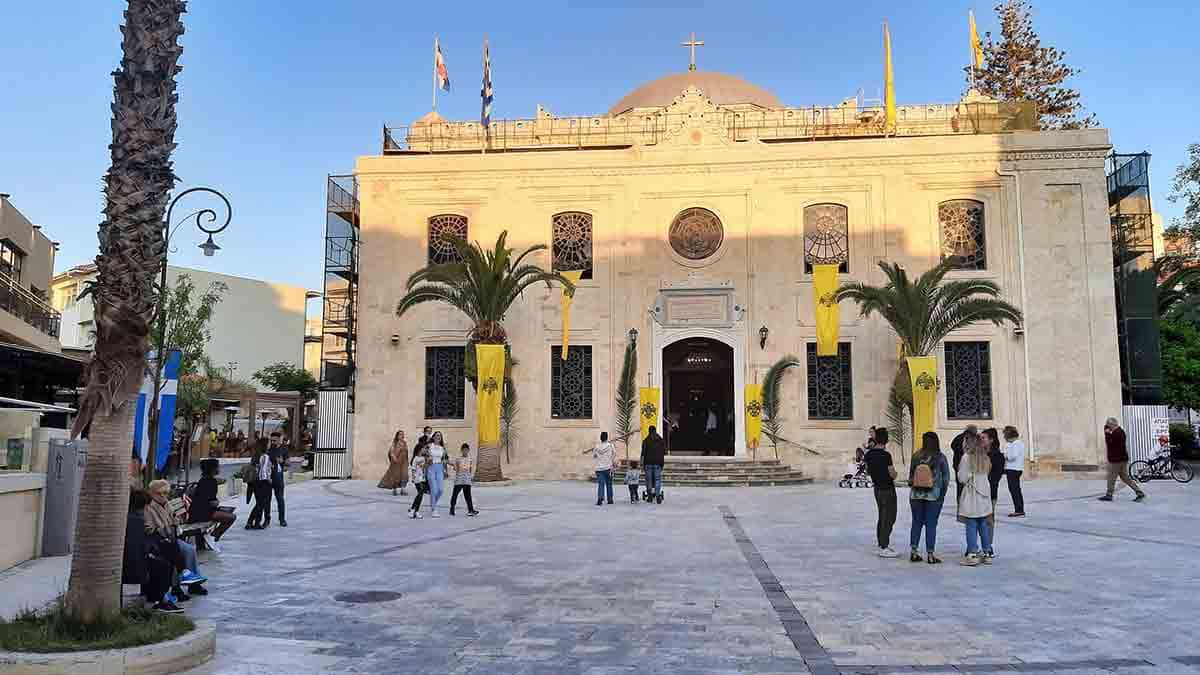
[131, 252]
[94, 592]
[489, 468]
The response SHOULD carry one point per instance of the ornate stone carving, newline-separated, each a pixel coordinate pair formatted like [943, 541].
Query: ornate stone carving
[826, 235]
[440, 249]
[572, 241]
[963, 235]
[696, 233]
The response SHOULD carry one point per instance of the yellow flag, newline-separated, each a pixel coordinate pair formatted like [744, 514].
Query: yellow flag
[976, 50]
[753, 414]
[565, 304]
[648, 408]
[922, 370]
[825, 283]
[889, 87]
[489, 368]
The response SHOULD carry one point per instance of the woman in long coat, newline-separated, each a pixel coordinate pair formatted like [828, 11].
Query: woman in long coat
[397, 473]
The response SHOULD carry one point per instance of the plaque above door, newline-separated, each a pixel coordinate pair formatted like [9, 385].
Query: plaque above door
[697, 301]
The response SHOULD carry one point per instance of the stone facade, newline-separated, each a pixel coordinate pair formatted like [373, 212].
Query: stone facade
[1042, 193]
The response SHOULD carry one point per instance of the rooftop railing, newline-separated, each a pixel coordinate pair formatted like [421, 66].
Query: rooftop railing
[33, 310]
[770, 126]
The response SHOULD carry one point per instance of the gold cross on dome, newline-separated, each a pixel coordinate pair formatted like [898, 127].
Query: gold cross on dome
[692, 44]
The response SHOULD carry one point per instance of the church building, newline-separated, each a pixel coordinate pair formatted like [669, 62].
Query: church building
[697, 206]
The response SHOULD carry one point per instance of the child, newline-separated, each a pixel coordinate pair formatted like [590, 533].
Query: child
[464, 474]
[632, 476]
[417, 475]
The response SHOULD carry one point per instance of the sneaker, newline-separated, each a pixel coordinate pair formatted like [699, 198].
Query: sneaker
[1016, 514]
[610, 502]
[986, 558]
[168, 607]
[599, 503]
[888, 552]
[451, 511]
[189, 577]
[282, 523]
[415, 515]
[969, 560]
[177, 595]
[434, 515]
[1106, 498]
[932, 559]
[472, 513]
[913, 556]
[1140, 498]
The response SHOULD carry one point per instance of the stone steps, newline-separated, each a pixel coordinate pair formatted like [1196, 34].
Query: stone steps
[722, 472]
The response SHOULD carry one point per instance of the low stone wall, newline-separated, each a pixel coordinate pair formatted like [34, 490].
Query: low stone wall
[178, 655]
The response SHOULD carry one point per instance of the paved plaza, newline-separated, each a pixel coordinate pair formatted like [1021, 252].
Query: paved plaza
[749, 580]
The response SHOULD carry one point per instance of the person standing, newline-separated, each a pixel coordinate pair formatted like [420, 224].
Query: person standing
[632, 477]
[435, 470]
[991, 442]
[397, 474]
[1118, 460]
[260, 515]
[928, 479]
[1014, 466]
[464, 475]
[277, 455]
[416, 469]
[883, 477]
[974, 500]
[654, 456]
[956, 454]
[602, 458]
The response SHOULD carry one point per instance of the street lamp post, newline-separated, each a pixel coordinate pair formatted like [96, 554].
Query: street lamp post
[209, 247]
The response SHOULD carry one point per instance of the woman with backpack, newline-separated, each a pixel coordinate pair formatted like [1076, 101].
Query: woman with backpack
[928, 478]
[975, 501]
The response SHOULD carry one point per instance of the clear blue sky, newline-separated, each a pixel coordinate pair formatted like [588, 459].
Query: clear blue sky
[275, 94]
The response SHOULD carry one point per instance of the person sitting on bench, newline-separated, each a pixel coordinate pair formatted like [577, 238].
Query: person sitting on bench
[205, 505]
[161, 523]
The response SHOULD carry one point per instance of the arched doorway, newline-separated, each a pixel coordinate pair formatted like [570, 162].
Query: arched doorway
[698, 396]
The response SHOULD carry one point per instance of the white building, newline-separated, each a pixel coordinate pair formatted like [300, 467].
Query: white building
[257, 323]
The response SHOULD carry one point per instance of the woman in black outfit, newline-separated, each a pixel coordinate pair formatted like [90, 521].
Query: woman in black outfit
[205, 502]
[995, 473]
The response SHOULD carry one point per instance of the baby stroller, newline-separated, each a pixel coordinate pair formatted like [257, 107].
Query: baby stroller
[859, 477]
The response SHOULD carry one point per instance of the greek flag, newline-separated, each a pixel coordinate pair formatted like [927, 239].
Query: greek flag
[485, 117]
[166, 409]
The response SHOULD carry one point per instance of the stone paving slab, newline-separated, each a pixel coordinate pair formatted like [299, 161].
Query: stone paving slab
[544, 582]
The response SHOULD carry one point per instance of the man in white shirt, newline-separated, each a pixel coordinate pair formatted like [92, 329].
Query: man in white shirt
[603, 454]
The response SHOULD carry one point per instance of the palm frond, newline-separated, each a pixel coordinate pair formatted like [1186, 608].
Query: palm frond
[509, 409]
[627, 395]
[771, 394]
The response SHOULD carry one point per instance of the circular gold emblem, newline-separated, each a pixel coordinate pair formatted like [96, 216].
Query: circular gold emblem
[491, 386]
[649, 411]
[754, 408]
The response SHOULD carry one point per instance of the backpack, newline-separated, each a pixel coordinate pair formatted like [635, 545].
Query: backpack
[923, 477]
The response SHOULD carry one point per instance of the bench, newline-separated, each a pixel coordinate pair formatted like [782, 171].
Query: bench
[195, 531]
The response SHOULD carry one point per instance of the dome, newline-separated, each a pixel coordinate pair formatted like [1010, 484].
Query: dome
[722, 89]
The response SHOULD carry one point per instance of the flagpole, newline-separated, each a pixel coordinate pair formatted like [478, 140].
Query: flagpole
[971, 45]
[487, 127]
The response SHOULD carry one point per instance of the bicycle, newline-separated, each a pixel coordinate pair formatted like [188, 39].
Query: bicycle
[1162, 466]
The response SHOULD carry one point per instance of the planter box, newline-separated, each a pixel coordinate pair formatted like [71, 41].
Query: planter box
[174, 656]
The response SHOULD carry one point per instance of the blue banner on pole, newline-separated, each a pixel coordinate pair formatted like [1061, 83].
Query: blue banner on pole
[166, 408]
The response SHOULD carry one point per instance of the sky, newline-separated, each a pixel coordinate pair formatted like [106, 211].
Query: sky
[276, 94]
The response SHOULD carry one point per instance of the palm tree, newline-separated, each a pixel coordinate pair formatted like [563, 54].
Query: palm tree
[922, 314]
[131, 251]
[627, 398]
[772, 400]
[482, 285]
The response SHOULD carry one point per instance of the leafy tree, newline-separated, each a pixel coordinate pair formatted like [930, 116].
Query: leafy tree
[284, 376]
[188, 328]
[922, 313]
[1016, 67]
[131, 251]
[627, 397]
[483, 286]
[1185, 188]
[1180, 345]
[1179, 296]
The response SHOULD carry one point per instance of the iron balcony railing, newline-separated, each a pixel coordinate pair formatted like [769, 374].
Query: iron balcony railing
[790, 124]
[33, 310]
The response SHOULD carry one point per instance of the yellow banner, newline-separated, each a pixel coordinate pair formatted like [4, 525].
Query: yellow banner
[753, 414]
[976, 50]
[489, 365]
[923, 372]
[825, 284]
[648, 408]
[565, 303]
[889, 86]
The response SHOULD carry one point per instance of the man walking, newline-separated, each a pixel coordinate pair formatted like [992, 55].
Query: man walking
[277, 455]
[654, 455]
[602, 455]
[883, 476]
[1118, 460]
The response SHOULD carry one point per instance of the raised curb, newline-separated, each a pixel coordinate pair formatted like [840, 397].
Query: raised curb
[174, 656]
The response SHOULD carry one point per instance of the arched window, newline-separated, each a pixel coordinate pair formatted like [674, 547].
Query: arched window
[440, 249]
[826, 236]
[572, 246]
[963, 234]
